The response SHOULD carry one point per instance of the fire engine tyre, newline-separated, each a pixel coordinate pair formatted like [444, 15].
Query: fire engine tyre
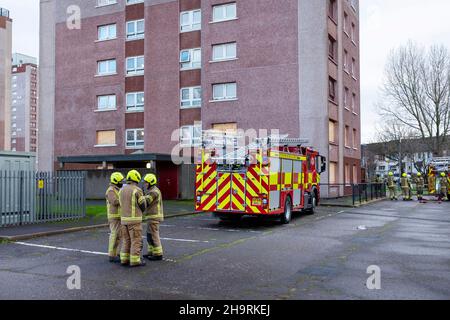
[313, 203]
[287, 215]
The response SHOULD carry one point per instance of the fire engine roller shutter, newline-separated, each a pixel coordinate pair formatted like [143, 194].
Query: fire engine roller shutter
[297, 176]
[275, 184]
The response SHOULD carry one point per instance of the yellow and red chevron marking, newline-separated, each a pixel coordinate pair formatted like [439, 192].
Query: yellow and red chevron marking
[208, 188]
[238, 192]
[257, 185]
[224, 192]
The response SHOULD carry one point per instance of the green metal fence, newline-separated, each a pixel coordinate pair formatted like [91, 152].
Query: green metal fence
[31, 197]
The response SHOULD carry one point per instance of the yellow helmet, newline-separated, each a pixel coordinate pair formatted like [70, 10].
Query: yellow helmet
[151, 179]
[404, 175]
[419, 174]
[117, 177]
[135, 176]
[442, 174]
[391, 174]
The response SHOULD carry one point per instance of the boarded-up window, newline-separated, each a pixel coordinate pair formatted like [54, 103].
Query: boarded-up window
[106, 137]
[333, 171]
[347, 174]
[225, 127]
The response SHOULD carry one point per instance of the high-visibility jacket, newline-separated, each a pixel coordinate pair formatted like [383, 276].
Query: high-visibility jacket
[444, 184]
[420, 182]
[113, 203]
[391, 182]
[131, 197]
[155, 210]
[404, 182]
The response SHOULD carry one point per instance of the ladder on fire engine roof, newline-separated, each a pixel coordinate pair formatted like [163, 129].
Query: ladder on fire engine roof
[219, 139]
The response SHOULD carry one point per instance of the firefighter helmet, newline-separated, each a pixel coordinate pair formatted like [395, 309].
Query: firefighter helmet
[405, 175]
[391, 174]
[117, 178]
[419, 174]
[151, 179]
[135, 176]
[442, 174]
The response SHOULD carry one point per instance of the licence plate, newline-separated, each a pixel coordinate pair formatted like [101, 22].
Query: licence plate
[256, 202]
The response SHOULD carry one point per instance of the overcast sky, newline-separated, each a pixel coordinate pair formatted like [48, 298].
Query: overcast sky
[385, 24]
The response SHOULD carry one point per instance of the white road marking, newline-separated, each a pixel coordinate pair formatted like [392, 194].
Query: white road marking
[60, 248]
[185, 240]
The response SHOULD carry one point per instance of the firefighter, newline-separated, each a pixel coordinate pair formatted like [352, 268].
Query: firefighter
[113, 209]
[420, 185]
[132, 203]
[391, 186]
[444, 187]
[154, 215]
[404, 181]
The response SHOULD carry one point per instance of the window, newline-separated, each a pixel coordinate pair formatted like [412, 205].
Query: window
[191, 136]
[191, 59]
[345, 61]
[332, 89]
[224, 51]
[347, 174]
[355, 174]
[106, 67]
[333, 172]
[134, 1]
[354, 102]
[346, 98]
[225, 127]
[345, 22]
[224, 12]
[135, 138]
[347, 136]
[190, 20]
[332, 8]
[332, 131]
[14, 125]
[332, 47]
[13, 141]
[135, 65]
[107, 32]
[225, 91]
[107, 102]
[101, 3]
[106, 138]
[135, 29]
[354, 139]
[353, 32]
[191, 97]
[135, 101]
[354, 68]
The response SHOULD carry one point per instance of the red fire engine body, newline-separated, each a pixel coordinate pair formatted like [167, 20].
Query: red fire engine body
[270, 177]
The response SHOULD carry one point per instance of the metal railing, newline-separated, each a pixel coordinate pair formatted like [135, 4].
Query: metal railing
[31, 197]
[351, 194]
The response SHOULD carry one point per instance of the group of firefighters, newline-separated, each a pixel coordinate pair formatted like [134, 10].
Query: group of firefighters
[419, 181]
[128, 207]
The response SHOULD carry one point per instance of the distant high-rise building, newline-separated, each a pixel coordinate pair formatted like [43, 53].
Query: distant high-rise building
[24, 106]
[5, 78]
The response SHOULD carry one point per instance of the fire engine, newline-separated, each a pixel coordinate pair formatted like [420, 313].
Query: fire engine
[271, 176]
[434, 170]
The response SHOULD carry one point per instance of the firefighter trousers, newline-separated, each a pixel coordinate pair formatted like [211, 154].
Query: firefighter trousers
[406, 194]
[131, 244]
[114, 238]
[444, 194]
[153, 240]
[419, 193]
[392, 194]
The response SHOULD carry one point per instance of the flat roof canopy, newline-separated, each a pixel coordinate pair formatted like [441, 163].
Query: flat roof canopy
[116, 158]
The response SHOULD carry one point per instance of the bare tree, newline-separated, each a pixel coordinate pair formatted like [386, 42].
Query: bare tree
[417, 93]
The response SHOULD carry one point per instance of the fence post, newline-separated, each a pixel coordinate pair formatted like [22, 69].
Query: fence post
[20, 197]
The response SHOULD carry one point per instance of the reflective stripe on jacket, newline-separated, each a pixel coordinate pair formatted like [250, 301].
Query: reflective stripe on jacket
[112, 202]
[131, 196]
[391, 182]
[155, 210]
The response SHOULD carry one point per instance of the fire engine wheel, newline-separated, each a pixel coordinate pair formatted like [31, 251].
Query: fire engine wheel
[287, 215]
[313, 204]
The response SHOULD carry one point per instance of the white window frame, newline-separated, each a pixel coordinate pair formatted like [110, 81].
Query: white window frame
[137, 144]
[190, 26]
[195, 136]
[190, 63]
[136, 35]
[108, 72]
[104, 3]
[135, 70]
[109, 37]
[224, 7]
[225, 97]
[224, 48]
[130, 2]
[110, 97]
[136, 107]
[191, 102]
